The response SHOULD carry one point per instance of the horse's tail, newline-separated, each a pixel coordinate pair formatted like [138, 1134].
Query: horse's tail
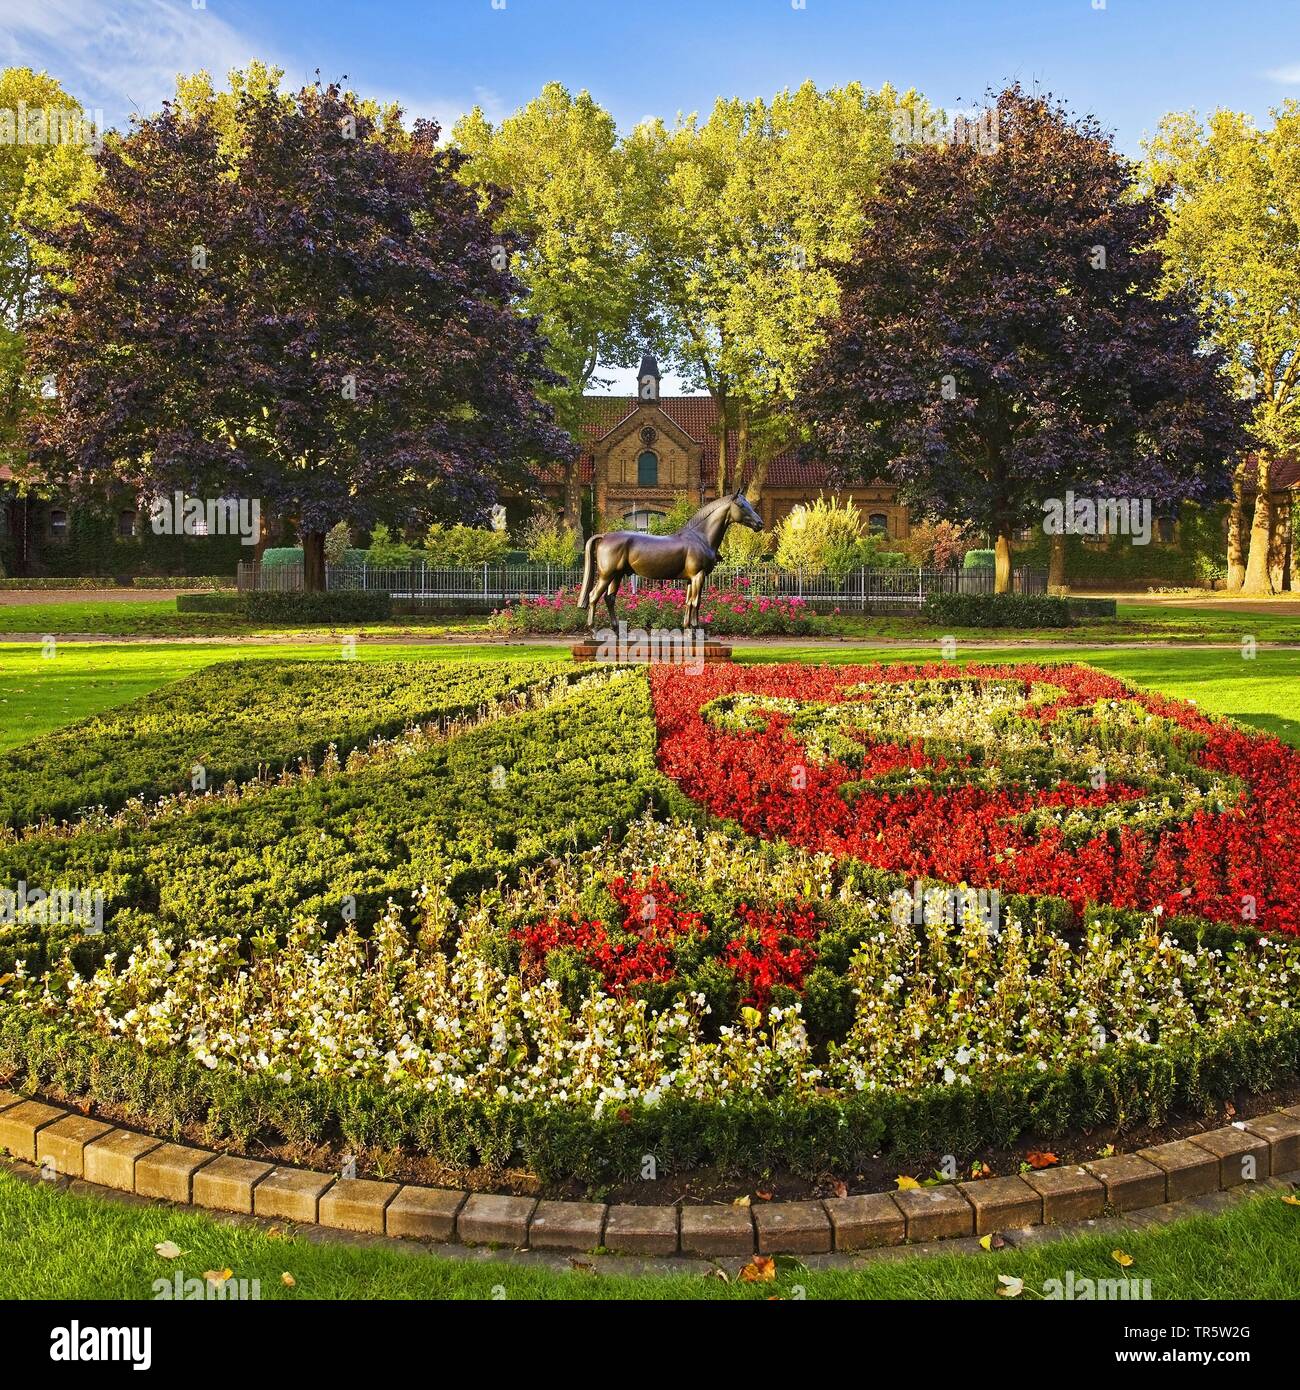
[588, 570]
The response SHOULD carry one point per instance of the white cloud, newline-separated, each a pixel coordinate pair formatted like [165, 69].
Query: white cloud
[120, 56]
[1289, 75]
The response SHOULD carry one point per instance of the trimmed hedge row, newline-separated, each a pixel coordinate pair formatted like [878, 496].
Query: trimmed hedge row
[237, 718]
[998, 610]
[810, 1137]
[496, 798]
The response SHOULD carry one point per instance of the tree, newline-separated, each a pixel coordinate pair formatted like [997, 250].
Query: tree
[1233, 242]
[1000, 338]
[562, 170]
[290, 302]
[745, 217]
[45, 170]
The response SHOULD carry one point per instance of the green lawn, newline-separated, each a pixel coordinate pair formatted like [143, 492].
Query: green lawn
[62, 1246]
[157, 617]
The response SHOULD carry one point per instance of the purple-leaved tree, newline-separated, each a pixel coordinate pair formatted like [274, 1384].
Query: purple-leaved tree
[314, 313]
[1000, 338]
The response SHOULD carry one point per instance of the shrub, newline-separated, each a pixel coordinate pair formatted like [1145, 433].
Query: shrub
[446, 547]
[997, 610]
[935, 544]
[675, 517]
[979, 560]
[548, 540]
[388, 552]
[338, 543]
[218, 602]
[182, 581]
[820, 537]
[332, 606]
[237, 717]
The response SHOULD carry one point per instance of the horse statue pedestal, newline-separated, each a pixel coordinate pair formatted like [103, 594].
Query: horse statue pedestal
[662, 647]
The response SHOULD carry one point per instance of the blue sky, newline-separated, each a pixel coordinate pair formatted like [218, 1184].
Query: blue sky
[1126, 61]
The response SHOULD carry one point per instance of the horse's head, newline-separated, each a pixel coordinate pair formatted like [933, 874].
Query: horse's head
[743, 514]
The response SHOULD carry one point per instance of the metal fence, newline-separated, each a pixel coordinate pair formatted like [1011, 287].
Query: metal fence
[477, 587]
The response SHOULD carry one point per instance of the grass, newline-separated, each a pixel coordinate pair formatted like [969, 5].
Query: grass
[60, 1245]
[157, 617]
[39, 693]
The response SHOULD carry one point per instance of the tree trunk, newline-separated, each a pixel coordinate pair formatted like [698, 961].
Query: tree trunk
[267, 529]
[313, 561]
[1056, 566]
[742, 444]
[573, 497]
[1236, 550]
[1002, 560]
[1279, 549]
[1257, 580]
[721, 480]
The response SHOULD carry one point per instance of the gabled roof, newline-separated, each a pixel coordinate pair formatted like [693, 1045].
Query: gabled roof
[696, 416]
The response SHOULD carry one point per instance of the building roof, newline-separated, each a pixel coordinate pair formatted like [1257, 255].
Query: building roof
[696, 415]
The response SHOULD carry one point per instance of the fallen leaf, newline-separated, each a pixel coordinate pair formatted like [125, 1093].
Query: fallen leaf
[1011, 1286]
[217, 1276]
[168, 1249]
[288, 1280]
[717, 1272]
[1041, 1160]
[906, 1184]
[1107, 1152]
[1291, 1200]
[841, 1188]
[979, 1170]
[760, 1270]
[993, 1241]
[740, 1201]
[763, 1196]
[1121, 1258]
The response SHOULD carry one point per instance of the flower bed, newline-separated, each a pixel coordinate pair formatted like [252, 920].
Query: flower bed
[1046, 780]
[724, 611]
[579, 965]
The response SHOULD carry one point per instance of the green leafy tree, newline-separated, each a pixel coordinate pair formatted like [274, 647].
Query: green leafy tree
[1232, 193]
[745, 217]
[41, 181]
[562, 172]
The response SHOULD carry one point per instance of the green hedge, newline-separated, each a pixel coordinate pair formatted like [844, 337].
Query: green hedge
[998, 610]
[334, 606]
[579, 769]
[979, 560]
[47, 583]
[167, 1092]
[236, 718]
[218, 602]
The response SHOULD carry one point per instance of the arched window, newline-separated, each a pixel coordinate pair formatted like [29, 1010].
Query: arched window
[647, 469]
[879, 523]
[59, 525]
[640, 519]
[1166, 530]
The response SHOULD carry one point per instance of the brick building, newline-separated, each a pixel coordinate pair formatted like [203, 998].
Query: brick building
[643, 451]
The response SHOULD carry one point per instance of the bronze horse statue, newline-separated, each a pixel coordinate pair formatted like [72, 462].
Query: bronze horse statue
[689, 554]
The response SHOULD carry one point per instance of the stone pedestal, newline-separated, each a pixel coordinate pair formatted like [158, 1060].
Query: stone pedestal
[660, 648]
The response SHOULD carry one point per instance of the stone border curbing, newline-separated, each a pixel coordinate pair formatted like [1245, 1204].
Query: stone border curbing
[66, 1143]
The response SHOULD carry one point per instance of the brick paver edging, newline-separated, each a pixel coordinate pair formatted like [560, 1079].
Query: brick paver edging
[62, 1142]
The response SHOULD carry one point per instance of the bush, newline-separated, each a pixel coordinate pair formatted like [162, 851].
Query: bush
[822, 537]
[235, 718]
[80, 582]
[331, 606]
[979, 560]
[724, 611]
[448, 547]
[221, 602]
[549, 541]
[997, 610]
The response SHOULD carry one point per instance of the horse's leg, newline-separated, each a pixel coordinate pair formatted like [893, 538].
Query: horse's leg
[611, 593]
[597, 589]
[697, 592]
